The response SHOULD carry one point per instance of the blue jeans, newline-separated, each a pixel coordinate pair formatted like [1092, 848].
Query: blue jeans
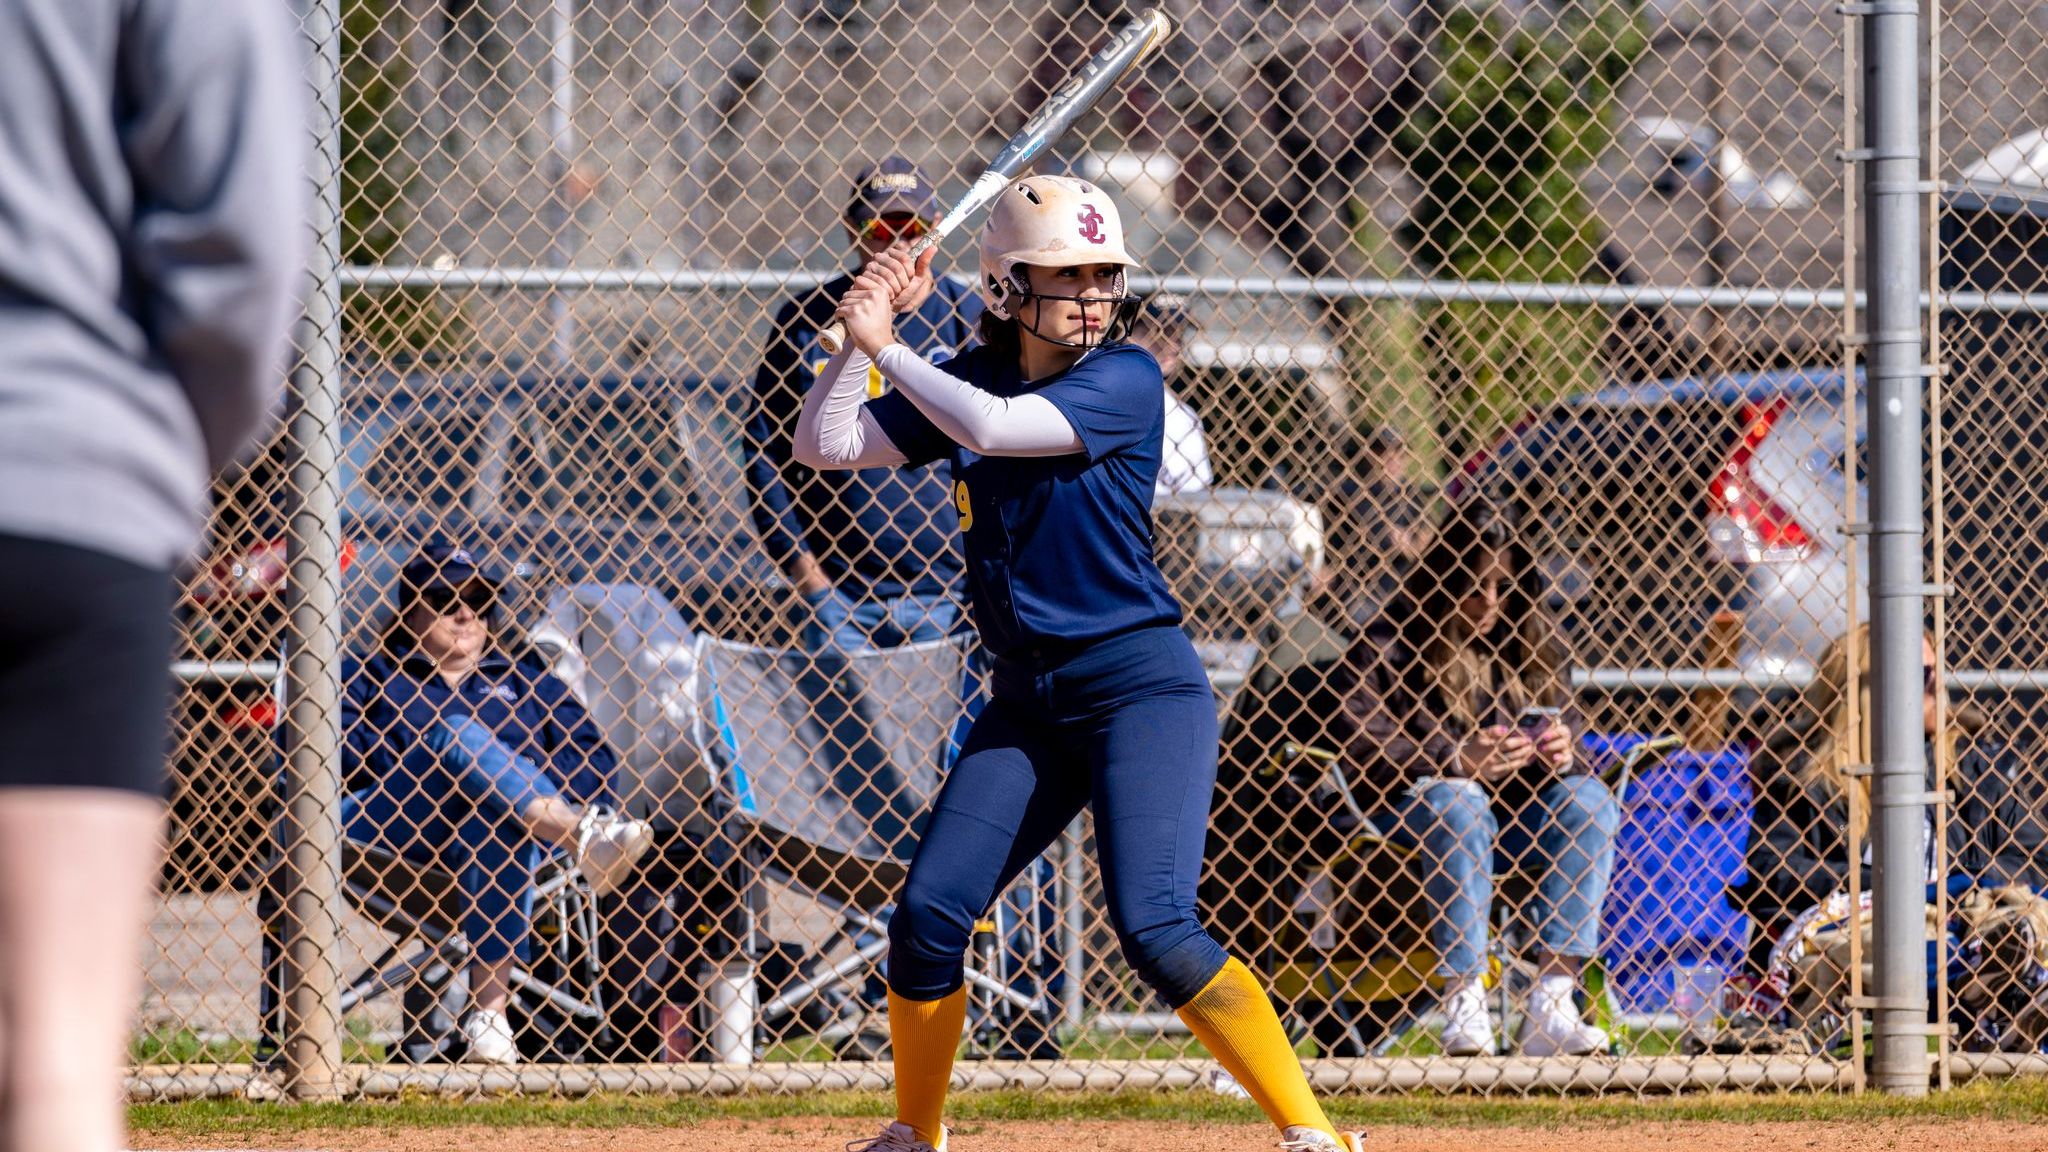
[1563, 835]
[454, 803]
[834, 622]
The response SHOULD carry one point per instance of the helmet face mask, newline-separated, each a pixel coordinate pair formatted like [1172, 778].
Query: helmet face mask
[1123, 311]
[1052, 222]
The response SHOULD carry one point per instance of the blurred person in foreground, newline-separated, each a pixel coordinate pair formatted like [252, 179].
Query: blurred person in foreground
[1455, 712]
[1161, 328]
[152, 199]
[462, 753]
[1807, 799]
[871, 552]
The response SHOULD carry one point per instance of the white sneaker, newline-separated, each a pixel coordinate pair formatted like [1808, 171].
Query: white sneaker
[490, 1037]
[1224, 1084]
[1553, 1026]
[898, 1137]
[1300, 1139]
[1468, 1030]
[607, 847]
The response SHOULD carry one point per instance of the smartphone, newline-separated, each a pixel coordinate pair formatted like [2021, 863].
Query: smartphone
[1535, 718]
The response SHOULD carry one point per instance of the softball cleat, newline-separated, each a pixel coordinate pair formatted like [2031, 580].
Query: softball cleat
[898, 1137]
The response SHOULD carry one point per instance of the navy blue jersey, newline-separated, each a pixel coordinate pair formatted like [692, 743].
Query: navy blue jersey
[1059, 548]
[877, 532]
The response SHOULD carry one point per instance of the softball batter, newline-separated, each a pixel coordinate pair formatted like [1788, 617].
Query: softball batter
[1053, 428]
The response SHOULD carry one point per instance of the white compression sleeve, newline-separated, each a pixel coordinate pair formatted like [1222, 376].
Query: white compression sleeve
[979, 421]
[834, 430]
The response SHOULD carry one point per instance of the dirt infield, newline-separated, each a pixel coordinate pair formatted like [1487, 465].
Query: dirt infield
[820, 1134]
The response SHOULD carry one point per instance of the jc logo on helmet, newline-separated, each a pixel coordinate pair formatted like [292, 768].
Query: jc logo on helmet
[1091, 224]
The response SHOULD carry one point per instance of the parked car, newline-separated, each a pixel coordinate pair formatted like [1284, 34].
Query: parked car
[1655, 506]
[1659, 504]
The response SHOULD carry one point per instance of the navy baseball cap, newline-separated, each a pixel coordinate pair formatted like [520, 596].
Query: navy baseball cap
[441, 564]
[892, 184]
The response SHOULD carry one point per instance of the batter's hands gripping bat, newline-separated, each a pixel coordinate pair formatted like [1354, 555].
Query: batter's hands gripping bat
[1121, 56]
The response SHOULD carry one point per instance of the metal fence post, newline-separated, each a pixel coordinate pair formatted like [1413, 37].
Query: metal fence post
[1073, 927]
[1899, 791]
[312, 786]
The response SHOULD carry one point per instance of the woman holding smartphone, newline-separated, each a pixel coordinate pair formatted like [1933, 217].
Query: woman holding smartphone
[1456, 712]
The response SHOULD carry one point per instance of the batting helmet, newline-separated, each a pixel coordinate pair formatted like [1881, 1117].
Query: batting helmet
[1049, 221]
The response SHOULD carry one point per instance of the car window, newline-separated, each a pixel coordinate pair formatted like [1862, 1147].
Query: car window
[601, 458]
[429, 458]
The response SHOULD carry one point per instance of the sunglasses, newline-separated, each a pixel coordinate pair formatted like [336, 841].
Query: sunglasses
[443, 600]
[889, 229]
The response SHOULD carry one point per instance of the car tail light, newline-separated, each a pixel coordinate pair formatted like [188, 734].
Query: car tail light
[255, 716]
[258, 572]
[1743, 521]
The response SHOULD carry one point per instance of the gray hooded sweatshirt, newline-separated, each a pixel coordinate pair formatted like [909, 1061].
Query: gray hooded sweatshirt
[152, 195]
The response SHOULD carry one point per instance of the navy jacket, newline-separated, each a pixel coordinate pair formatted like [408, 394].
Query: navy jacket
[387, 703]
[877, 532]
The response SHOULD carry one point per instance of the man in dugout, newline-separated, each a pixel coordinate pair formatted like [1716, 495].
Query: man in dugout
[870, 552]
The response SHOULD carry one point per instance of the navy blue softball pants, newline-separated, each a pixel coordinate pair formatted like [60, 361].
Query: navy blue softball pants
[1126, 727]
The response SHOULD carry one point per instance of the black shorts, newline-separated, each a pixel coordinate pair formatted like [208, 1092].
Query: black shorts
[85, 649]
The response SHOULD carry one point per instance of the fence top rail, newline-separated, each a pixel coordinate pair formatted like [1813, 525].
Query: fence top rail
[534, 279]
[1590, 679]
[1971, 679]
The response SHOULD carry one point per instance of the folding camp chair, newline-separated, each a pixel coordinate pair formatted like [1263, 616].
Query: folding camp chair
[558, 1003]
[828, 766]
[1347, 940]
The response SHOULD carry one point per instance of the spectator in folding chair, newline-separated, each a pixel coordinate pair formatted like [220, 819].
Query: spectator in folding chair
[1456, 714]
[1807, 800]
[462, 755]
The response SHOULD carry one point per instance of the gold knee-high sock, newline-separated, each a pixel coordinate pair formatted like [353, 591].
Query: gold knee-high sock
[1236, 1023]
[923, 1036]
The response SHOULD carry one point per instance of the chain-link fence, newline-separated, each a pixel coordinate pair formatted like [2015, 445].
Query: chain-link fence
[1514, 467]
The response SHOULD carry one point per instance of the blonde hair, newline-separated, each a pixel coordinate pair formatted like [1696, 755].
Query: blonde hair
[1840, 737]
[1460, 670]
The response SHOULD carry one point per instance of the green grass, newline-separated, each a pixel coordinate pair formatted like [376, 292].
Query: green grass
[2023, 1101]
[181, 1046]
[184, 1046]
[1088, 1044]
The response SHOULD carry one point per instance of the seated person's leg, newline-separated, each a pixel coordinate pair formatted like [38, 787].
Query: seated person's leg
[1570, 850]
[500, 781]
[1452, 822]
[493, 863]
[510, 787]
[497, 882]
[1565, 836]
